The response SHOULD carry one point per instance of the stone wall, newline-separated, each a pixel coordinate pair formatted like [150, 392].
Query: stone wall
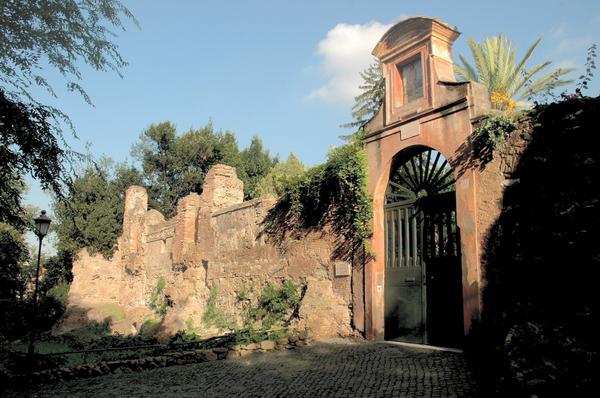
[215, 241]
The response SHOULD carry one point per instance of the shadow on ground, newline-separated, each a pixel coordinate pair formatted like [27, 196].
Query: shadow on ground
[335, 368]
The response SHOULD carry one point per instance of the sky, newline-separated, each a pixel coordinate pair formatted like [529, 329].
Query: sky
[286, 71]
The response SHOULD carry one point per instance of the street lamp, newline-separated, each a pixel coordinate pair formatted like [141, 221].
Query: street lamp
[42, 224]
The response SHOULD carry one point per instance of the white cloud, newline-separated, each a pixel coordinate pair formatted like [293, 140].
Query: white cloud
[346, 51]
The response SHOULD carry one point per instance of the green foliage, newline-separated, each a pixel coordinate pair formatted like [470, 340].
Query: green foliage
[494, 130]
[185, 336]
[159, 302]
[214, 316]
[334, 192]
[175, 165]
[36, 37]
[92, 215]
[274, 303]
[28, 145]
[367, 103]
[60, 35]
[60, 292]
[278, 177]
[270, 315]
[13, 255]
[149, 327]
[508, 81]
[57, 271]
[491, 133]
[256, 163]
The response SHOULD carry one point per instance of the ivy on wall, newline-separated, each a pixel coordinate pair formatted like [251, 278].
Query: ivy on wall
[333, 193]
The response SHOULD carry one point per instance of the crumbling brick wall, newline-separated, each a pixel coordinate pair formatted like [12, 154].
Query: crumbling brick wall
[215, 241]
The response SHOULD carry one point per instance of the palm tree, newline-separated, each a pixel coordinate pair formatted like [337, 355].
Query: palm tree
[508, 82]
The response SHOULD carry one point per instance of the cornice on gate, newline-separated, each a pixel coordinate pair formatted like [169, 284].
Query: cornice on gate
[422, 44]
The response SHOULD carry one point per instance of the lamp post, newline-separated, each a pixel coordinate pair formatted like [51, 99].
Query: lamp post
[42, 224]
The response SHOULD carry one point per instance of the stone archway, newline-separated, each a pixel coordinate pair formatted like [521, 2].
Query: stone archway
[438, 116]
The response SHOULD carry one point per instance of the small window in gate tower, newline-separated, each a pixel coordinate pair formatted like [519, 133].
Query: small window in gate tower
[411, 74]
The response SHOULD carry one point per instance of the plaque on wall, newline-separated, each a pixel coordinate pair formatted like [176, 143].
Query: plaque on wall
[410, 130]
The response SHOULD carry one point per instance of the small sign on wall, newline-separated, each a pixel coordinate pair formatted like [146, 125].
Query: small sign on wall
[342, 268]
[410, 130]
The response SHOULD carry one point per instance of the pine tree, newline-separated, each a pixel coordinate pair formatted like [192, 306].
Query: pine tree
[368, 102]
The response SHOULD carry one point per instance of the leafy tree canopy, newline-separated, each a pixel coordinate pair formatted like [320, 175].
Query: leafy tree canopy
[256, 163]
[28, 145]
[509, 81]
[175, 165]
[35, 37]
[92, 215]
[274, 181]
[61, 34]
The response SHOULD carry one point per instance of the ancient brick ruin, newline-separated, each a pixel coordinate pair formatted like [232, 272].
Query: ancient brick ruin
[424, 280]
[215, 241]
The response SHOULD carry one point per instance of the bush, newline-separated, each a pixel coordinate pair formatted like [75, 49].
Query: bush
[213, 316]
[149, 327]
[333, 193]
[159, 301]
[491, 133]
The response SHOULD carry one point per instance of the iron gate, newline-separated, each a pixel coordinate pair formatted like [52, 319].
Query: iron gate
[423, 285]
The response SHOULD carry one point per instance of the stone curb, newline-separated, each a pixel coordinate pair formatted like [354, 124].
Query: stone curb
[168, 359]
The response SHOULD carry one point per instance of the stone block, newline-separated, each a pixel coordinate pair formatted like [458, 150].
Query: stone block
[250, 347]
[267, 345]
[233, 354]
[342, 268]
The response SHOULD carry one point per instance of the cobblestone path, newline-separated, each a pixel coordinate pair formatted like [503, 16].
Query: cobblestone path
[328, 369]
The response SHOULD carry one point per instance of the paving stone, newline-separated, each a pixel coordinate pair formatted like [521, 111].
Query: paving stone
[325, 369]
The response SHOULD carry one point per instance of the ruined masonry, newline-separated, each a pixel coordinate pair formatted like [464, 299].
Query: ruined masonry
[434, 205]
[215, 241]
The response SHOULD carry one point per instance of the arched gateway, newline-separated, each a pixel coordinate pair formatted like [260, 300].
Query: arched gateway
[423, 282]
[423, 295]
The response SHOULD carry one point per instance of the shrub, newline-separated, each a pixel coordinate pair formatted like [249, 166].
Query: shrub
[149, 327]
[159, 301]
[213, 316]
[491, 133]
[333, 193]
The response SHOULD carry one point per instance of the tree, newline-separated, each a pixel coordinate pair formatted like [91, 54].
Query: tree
[256, 163]
[508, 81]
[27, 146]
[57, 33]
[175, 165]
[37, 36]
[275, 181]
[92, 214]
[367, 103]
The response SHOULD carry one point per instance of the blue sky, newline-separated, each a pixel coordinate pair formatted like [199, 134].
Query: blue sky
[283, 70]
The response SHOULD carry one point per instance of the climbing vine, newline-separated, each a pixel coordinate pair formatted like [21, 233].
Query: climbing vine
[491, 133]
[334, 192]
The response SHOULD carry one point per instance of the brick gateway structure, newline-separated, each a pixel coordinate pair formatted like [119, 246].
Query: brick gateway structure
[427, 236]
[432, 211]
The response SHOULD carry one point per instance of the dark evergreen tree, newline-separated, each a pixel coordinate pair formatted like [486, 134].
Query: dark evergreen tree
[367, 103]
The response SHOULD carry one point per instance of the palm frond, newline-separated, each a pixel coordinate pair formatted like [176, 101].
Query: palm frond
[467, 72]
[520, 81]
[495, 66]
[521, 66]
[547, 82]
